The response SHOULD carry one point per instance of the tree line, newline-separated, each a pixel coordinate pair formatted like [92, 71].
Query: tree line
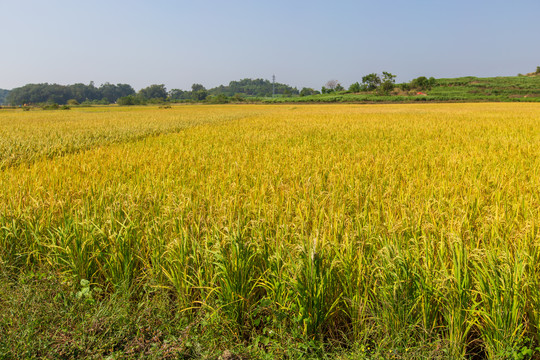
[62, 94]
[382, 84]
[254, 87]
[3, 96]
[124, 94]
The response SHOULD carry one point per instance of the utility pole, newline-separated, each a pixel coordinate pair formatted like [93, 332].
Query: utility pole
[273, 85]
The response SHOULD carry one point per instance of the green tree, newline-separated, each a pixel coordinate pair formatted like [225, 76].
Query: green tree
[420, 83]
[252, 87]
[371, 81]
[60, 94]
[129, 100]
[198, 92]
[307, 91]
[82, 92]
[154, 92]
[3, 96]
[177, 94]
[218, 99]
[355, 87]
[238, 97]
[197, 87]
[388, 83]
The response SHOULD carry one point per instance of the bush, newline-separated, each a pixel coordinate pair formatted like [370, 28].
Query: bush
[53, 106]
[129, 100]
[73, 102]
[218, 99]
[238, 97]
[404, 87]
[155, 101]
[354, 88]
[422, 83]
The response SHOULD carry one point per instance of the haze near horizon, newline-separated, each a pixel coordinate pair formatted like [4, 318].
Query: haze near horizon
[304, 43]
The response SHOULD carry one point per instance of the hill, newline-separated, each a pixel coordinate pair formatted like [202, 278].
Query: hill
[253, 87]
[3, 96]
[470, 88]
[502, 88]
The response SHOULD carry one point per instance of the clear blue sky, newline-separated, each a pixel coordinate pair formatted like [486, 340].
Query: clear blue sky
[304, 43]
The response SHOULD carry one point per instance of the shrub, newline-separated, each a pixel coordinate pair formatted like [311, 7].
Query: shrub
[218, 99]
[354, 88]
[53, 106]
[404, 87]
[238, 97]
[129, 100]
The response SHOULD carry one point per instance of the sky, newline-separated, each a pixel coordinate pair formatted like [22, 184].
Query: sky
[304, 43]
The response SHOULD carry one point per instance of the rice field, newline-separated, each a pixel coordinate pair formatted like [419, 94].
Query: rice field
[384, 231]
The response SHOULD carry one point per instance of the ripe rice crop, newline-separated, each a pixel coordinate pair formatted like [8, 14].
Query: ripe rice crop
[34, 134]
[412, 229]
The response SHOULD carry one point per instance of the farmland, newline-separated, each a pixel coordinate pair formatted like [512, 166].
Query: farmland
[463, 89]
[400, 231]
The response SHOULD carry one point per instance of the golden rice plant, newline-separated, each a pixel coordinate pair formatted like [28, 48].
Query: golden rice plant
[409, 229]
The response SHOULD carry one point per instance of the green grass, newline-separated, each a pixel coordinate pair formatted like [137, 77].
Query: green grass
[464, 89]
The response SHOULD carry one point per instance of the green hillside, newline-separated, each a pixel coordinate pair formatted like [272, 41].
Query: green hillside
[503, 87]
[253, 87]
[470, 88]
[3, 95]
